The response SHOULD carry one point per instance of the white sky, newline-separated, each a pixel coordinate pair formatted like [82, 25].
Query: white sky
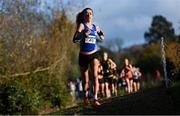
[129, 19]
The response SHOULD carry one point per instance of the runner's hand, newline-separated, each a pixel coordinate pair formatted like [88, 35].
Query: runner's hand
[87, 32]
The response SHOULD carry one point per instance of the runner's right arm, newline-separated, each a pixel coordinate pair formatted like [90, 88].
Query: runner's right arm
[80, 34]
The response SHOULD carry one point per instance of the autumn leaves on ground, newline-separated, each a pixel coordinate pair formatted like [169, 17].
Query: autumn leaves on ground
[38, 58]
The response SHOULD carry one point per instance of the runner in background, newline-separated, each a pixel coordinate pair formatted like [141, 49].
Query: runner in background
[136, 74]
[107, 65]
[114, 82]
[128, 76]
[101, 81]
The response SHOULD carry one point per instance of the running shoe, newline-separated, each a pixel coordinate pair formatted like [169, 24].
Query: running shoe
[86, 100]
[97, 103]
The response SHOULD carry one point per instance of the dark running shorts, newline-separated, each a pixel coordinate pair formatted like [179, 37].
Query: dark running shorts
[101, 81]
[84, 60]
[114, 81]
[136, 80]
[108, 80]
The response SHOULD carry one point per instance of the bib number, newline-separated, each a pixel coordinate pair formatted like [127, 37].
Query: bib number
[90, 39]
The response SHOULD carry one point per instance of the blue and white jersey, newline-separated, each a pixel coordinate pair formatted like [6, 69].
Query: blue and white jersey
[135, 75]
[89, 43]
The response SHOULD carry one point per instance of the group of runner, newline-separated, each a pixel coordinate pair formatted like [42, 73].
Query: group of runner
[111, 78]
[131, 75]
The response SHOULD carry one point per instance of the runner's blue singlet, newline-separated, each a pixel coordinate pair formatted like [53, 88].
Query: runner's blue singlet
[89, 43]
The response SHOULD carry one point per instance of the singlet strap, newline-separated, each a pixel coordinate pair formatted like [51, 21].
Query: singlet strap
[85, 26]
[94, 27]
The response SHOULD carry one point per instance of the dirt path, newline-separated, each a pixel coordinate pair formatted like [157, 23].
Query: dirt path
[154, 101]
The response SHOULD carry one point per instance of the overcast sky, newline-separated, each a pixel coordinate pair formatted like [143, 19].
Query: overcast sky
[129, 19]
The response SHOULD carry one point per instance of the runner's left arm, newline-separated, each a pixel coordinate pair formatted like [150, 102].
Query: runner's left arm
[100, 33]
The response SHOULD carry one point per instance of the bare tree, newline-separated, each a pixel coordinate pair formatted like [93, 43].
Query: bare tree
[34, 34]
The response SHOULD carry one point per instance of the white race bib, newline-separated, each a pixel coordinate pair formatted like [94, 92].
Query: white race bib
[90, 39]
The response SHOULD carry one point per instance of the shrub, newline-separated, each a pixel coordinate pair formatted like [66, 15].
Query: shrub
[17, 99]
[51, 88]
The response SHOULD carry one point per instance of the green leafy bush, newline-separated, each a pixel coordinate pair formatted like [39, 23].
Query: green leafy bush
[32, 94]
[17, 99]
[51, 88]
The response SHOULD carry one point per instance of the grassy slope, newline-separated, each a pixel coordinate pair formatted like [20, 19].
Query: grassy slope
[152, 101]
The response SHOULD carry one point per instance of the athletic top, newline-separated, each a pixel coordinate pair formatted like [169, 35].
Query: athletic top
[88, 44]
[106, 68]
[135, 74]
[128, 73]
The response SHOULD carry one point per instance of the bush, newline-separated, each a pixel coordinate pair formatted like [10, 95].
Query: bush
[16, 99]
[51, 88]
[33, 94]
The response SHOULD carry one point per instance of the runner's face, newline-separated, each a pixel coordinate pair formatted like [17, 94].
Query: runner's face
[105, 56]
[126, 62]
[88, 15]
